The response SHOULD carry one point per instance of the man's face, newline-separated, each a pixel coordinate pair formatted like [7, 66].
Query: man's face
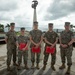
[22, 32]
[36, 26]
[50, 27]
[12, 27]
[67, 27]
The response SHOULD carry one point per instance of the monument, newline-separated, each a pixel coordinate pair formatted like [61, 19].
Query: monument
[34, 5]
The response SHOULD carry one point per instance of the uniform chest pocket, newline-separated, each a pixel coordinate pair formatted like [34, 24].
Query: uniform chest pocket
[11, 37]
[68, 36]
[49, 36]
[38, 35]
[34, 36]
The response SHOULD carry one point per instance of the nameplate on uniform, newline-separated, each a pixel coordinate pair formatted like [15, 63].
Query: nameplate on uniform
[36, 50]
[50, 50]
[22, 45]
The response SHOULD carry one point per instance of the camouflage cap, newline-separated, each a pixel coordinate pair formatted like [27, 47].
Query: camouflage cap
[35, 23]
[67, 23]
[12, 24]
[22, 28]
[50, 24]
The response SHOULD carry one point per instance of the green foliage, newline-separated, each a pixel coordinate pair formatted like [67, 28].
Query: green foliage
[1, 28]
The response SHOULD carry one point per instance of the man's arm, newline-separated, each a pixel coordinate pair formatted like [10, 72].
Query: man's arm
[32, 41]
[27, 44]
[56, 41]
[41, 40]
[47, 41]
[72, 39]
[61, 43]
[6, 37]
[70, 43]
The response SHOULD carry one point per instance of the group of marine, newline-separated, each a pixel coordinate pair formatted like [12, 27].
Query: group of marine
[35, 38]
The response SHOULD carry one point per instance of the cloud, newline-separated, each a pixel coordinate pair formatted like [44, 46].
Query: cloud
[59, 9]
[22, 21]
[6, 5]
[20, 12]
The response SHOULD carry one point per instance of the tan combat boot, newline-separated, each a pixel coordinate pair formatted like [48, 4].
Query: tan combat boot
[62, 66]
[68, 70]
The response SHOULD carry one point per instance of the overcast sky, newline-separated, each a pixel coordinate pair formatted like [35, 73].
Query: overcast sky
[20, 12]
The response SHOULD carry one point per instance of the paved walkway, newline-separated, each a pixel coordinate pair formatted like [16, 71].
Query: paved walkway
[48, 70]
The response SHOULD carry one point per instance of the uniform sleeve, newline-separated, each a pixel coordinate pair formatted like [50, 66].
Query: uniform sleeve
[27, 39]
[72, 35]
[57, 36]
[41, 33]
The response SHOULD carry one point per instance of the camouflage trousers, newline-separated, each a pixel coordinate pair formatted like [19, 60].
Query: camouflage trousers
[25, 56]
[11, 52]
[66, 53]
[46, 56]
[33, 57]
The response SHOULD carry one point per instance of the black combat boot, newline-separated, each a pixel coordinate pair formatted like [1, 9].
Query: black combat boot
[19, 67]
[68, 70]
[53, 68]
[32, 65]
[8, 68]
[37, 66]
[62, 66]
[26, 67]
[44, 67]
[15, 64]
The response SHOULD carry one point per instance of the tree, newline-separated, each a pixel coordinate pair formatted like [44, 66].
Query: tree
[1, 28]
[8, 26]
[72, 26]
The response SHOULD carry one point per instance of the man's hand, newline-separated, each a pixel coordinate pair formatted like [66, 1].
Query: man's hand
[37, 45]
[52, 45]
[61, 45]
[24, 48]
[64, 45]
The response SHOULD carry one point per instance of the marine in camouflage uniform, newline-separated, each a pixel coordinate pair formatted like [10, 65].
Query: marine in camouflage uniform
[36, 39]
[11, 46]
[22, 39]
[51, 39]
[66, 48]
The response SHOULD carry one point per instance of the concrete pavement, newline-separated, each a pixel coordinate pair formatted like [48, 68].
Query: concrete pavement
[48, 70]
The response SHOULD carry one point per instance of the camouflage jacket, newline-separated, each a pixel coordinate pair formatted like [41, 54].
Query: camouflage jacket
[22, 39]
[50, 37]
[66, 36]
[36, 36]
[11, 37]
[11, 40]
